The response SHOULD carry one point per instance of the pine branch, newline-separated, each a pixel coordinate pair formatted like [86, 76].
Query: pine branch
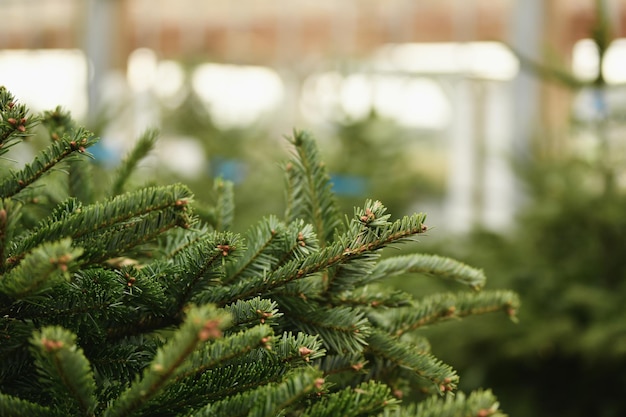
[15, 122]
[342, 329]
[47, 265]
[9, 219]
[403, 355]
[90, 221]
[252, 312]
[260, 361]
[434, 265]
[64, 370]
[477, 404]
[202, 264]
[310, 197]
[80, 182]
[345, 249]
[373, 296]
[441, 307]
[225, 207]
[226, 349]
[300, 349]
[46, 160]
[260, 254]
[272, 244]
[218, 383]
[177, 240]
[270, 400]
[129, 163]
[201, 324]
[118, 240]
[16, 407]
[363, 400]
[58, 122]
[345, 276]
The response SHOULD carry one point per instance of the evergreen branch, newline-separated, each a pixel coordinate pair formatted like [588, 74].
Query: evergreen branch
[64, 369]
[9, 219]
[289, 393]
[270, 400]
[364, 400]
[226, 349]
[441, 307]
[252, 312]
[478, 404]
[271, 246]
[129, 163]
[366, 224]
[116, 241]
[46, 160]
[434, 265]
[80, 182]
[344, 249]
[143, 290]
[203, 264]
[369, 223]
[405, 356]
[302, 348]
[341, 369]
[15, 122]
[373, 296]
[58, 122]
[177, 240]
[227, 380]
[225, 207]
[201, 324]
[15, 407]
[259, 255]
[342, 329]
[299, 242]
[310, 196]
[262, 362]
[43, 268]
[99, 217]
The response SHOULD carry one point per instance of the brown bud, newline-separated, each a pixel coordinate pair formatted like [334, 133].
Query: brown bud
[319, 382]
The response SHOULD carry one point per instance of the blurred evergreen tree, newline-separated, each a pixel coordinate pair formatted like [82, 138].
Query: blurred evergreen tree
[564, 257]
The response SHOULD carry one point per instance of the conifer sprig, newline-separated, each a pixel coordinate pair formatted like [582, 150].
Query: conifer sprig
[68, 145]
[477, 404]
[16, 124]
[64, 369]
[350, 246]
[201, 324]
[225, 206]
[115, 214]
[309, 189]
[43, 268]
[432, 265]
[129, 163]
[405, 356]
[446, 306]
[367, 399]
[11, 406]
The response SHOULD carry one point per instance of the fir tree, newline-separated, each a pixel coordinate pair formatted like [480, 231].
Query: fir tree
[127, 304]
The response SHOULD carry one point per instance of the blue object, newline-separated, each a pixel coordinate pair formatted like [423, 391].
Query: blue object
[229, 169]
[348, 185]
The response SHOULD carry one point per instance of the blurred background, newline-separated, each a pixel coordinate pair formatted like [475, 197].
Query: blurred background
[504, 120]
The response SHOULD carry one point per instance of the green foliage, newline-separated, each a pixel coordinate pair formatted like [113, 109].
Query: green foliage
[130, 305]
[565, 260]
